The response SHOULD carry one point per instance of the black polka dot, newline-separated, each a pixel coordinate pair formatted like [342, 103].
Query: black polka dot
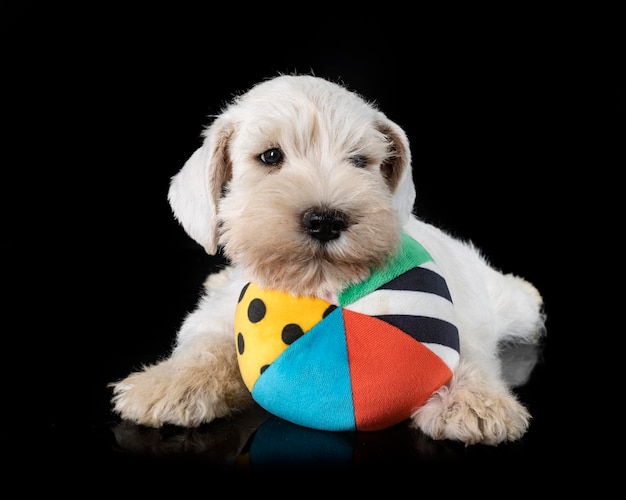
[240, 343]
[243, 292]
[291, 333]
[328, 310]
[256, 310]
[263, 368]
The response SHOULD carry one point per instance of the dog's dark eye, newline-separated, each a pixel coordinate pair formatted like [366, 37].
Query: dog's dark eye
[272, 156]
[359, 161]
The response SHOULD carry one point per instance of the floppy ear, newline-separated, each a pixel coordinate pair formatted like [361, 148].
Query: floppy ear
[397, 169]
[195, 190]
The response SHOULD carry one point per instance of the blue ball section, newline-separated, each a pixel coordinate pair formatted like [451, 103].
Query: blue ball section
[319, 392]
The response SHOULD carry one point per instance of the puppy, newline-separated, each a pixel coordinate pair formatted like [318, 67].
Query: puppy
[306, 187]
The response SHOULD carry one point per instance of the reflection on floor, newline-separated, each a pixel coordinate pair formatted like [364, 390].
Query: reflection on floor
[257, 440]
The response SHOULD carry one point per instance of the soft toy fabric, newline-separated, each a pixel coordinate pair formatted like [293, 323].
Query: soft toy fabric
[365, 363]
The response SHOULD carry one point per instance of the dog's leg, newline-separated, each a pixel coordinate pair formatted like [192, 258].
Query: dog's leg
[473, 408]
[191, 387]
[518, 308]
[200, 381]
[477, 406]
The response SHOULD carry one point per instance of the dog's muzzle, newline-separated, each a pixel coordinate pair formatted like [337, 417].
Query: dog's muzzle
[324, 224]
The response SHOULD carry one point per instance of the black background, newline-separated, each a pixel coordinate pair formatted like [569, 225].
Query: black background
[503, 116]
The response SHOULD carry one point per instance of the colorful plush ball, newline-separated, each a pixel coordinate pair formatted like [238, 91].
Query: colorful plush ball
[365, 363]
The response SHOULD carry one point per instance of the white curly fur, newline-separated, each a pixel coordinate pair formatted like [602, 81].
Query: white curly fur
[341, 153]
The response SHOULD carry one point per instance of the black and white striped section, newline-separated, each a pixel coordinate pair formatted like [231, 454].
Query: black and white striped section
[418, 302]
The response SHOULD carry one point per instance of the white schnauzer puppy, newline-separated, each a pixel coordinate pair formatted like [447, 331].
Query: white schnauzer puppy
[307, 187]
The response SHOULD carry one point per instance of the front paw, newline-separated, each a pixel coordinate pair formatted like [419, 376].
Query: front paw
[166, 393]
[473, 411]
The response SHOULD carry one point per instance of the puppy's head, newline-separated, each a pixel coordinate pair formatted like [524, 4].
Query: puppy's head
[304, 184]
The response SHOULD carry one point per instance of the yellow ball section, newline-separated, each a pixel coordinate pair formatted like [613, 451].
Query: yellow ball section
[267, 322]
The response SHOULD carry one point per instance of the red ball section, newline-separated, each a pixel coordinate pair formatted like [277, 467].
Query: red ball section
[392, 374]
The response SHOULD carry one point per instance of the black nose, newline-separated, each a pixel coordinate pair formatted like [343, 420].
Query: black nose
[324, 224]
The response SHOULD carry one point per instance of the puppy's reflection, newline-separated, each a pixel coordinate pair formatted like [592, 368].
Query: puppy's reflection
[221, 441]
[257, 440]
